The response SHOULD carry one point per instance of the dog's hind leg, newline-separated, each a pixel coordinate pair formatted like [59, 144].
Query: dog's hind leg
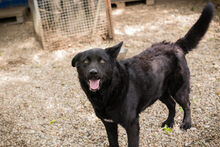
[171, 104]
[182, 98]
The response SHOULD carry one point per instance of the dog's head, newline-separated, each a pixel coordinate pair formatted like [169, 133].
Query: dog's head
[95, 66]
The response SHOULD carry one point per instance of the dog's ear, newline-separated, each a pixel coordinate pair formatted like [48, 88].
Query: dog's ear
[114, 50]
[75, 59]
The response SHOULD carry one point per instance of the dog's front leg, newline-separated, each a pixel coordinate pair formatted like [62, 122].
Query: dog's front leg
[112, 132]
[132, 130]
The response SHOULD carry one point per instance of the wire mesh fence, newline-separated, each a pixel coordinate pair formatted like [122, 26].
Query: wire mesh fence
[61, 22]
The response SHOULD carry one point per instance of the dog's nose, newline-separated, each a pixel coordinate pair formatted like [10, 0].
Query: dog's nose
[93, 71]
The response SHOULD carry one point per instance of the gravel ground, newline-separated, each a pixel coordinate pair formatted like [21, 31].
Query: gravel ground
[42, 104]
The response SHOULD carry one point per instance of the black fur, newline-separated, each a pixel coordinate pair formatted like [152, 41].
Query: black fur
[129, 86]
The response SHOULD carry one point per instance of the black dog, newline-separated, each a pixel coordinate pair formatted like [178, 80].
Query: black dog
[120, 90]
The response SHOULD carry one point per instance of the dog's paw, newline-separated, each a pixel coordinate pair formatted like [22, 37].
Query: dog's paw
[169, 124]
[185, 125]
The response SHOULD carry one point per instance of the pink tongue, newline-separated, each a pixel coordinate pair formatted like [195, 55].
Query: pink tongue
[94, 84]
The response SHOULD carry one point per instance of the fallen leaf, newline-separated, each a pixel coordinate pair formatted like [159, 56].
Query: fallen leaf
[181, 109]
[52, 121]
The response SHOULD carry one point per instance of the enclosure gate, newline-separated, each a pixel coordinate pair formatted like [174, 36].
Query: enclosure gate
[59, 23]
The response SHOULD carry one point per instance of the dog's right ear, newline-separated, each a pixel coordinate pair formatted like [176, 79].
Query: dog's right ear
[114, 50]
[75, 59]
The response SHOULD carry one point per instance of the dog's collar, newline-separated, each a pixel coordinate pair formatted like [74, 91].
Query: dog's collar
[108, 120]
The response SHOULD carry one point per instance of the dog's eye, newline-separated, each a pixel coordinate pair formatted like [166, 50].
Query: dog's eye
[102, 61]
[86, 61]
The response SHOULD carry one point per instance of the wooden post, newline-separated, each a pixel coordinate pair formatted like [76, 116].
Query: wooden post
[109, 18]
[38, 27]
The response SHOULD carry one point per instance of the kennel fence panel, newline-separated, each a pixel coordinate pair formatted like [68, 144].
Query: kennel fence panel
[59, 23]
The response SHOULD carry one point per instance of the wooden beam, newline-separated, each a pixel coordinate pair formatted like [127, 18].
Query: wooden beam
[109, 18]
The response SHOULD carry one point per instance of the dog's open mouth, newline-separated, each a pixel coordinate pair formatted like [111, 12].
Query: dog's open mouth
[94, 85]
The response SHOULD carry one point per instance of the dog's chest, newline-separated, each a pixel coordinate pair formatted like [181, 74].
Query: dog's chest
[107, 115]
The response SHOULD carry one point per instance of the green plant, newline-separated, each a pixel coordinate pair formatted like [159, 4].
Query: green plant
[167, 130]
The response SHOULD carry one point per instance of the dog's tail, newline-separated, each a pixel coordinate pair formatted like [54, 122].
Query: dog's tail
[198, 30]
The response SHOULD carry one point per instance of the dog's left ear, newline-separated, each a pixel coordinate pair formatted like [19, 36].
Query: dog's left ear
[75, 59]
[114, 50]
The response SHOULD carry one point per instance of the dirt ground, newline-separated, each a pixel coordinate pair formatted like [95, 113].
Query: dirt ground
[42, 104]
